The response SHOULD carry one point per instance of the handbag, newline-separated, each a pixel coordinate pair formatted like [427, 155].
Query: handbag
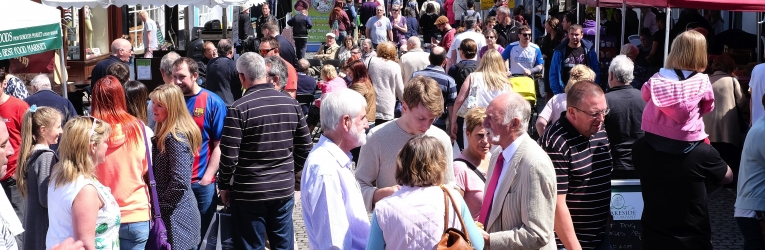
[158, 233]
[452, 238]
[470, 101]
[220, 233]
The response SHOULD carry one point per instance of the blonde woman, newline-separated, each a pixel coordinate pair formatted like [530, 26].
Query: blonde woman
[488, 81]
[176, 142]
[79, 206]
[40, 127]
[557, 103]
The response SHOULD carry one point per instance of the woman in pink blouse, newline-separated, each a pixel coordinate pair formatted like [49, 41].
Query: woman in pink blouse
[471, 164]
[330, 81]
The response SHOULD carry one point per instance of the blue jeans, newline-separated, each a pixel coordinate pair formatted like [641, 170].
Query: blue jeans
[253, 220]
[341, 37]
[750, 229]
[206, 202]
[133, 236]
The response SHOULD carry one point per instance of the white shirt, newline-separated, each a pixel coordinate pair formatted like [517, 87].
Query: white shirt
[507, 154]
[10, 225]
[477, 37]
[333, 208]
[150, 26]
[757, 84]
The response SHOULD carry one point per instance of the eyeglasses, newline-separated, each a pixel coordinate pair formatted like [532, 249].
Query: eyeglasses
[355, 52]
[595, 115]
[93, 127]
[265, 51]
[526, 34]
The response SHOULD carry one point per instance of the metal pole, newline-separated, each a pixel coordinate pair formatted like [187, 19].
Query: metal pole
[64, 76]
[577, 12]
[624, 18]
[533, 19]
[759, 38]
[666, 35]
[597, 31]
[547, 14]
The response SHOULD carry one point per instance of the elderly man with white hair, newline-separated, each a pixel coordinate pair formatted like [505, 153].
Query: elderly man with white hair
[333, 207]
[276, 70]
[44, 96]
[414, 60]
[624, 121]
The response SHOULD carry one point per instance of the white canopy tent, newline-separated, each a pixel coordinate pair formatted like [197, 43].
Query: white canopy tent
[31, 28]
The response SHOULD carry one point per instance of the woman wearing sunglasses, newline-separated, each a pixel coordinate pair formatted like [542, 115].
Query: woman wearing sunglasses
[491, 43]
[125, 164]
[172, 155]
[79, 206]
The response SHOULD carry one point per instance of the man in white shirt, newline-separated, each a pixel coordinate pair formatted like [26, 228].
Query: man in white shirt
[10, 225]
[149, 34]
[414, 60]
[333, 208]
[525, 56]
[470, 32]
[757, 89]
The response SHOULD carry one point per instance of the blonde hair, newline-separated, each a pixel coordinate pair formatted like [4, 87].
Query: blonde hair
[328, 72]
[178, 120]
[689, 52]
[74, 149]
[580, 72]
[474, 118]
[31, 126]
[494, 71]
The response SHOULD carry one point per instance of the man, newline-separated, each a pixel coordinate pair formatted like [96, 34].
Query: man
[271, 47]
[266, 141]
[460, 71]
[10, 223]
[442, 24]
[122, 52]
[421, 105]
[300, 24]
[469, 33]
[12, 110]
[568, 19]
[265, 18]
[245, 23]
[333, 208]
[119, 71]
[567, 55]
[470, 13]
[210, 52]
[368, 51]
[306, 84]
[44, 96]
[350, 11]
[286, 50]
[435, 70]
[166, 70]
[222, 78]
[525, 56]
[582, 209]
[208, 111]
[507, 27]
[415, 59]
[518, 208]
[757, 88]
[379, 28]
[327, 51]
[625, 118]
[648, 19]
[276, 69]
[368, 10]
[495, 7]
[150, 30]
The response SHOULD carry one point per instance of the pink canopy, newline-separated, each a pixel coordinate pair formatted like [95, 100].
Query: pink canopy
[730, 5]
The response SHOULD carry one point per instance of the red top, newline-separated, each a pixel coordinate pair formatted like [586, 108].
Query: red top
[12, 111]
[448, 39]
[291, 76]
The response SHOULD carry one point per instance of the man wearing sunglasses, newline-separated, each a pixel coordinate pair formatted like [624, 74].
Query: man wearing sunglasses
[270, 47]
[584, 173]
[525, 57]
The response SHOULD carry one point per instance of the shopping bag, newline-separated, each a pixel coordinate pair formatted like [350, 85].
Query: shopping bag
[220, 235]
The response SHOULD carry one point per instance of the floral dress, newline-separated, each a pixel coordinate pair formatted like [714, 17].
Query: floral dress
[108, 221]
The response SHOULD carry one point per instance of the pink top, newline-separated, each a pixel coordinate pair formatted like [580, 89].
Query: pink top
[331, 85]
[471, 184]
[674, 108]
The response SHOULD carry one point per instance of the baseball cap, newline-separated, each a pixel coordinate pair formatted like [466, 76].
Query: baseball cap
[331, 34]
[442, 20]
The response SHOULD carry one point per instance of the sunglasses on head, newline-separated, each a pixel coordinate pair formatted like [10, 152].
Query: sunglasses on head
[93, 127]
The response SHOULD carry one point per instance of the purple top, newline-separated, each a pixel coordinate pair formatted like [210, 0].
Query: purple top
[485, 48]
[399, 37]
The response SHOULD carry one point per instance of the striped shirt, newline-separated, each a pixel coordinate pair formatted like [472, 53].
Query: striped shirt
[265, 141]
[447, 85]
[583, 169]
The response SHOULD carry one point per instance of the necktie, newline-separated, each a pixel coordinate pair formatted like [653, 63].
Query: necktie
[489, 196]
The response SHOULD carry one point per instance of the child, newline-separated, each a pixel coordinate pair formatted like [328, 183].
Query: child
[40, 128]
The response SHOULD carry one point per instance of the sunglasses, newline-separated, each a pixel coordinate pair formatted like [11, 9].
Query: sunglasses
[526, 34]
[265, 51]
[93, 127]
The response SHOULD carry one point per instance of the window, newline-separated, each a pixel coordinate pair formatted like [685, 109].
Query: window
[135, 25]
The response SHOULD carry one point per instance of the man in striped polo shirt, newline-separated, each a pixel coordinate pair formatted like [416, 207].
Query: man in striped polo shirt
[436, 71]
[578, 147]
[266, 141]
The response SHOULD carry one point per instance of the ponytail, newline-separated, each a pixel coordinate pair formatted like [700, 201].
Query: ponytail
[33, 120]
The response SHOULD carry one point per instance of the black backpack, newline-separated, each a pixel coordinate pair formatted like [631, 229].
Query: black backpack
[464, 68]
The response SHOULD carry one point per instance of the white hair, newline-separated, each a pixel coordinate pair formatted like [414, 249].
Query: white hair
[252, 66]
[622, 69]
[517, 107]
[339, 103]
[41, 82]
[277, 67]
[166, 64]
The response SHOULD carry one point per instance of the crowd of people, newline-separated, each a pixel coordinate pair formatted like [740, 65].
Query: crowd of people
[426, 135]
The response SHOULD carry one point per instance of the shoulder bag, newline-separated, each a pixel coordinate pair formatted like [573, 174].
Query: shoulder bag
[158, 233]
[470, 100]
[453, 238]
[472, 167]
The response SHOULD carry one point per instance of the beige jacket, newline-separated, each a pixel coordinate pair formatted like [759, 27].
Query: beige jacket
[525, 216]
[722, 124]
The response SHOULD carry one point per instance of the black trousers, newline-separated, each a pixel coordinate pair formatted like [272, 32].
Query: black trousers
[300, 47]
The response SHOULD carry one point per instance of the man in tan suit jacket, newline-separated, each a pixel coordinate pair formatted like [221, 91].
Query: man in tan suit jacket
[521, 214]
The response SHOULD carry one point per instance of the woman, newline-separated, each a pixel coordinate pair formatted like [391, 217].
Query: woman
[15, 87]
[413, 217]
[125, 164]
[40, 127]
[428, 22]
[385, 73]
[360, 83]
[339, 19]
[557, 104]
[471, 164]
[344, 52]
[491, 43]
[411, 22]
[725, 121]
[549, 42]
[488, 81]
[136, 97]
[173, 152]
[79, 206]
[399, 26]
[331, 81]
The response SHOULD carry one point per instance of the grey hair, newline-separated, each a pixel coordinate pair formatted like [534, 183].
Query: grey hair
[469, 23]
[504, 9]
[277, 67]
[517, 107]
[415, 42]
[622, 69]
[627, 48]
[339, 103]
[41, 82]
[166, 65]
[224, 47]
[369, 42]
[252, 66]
